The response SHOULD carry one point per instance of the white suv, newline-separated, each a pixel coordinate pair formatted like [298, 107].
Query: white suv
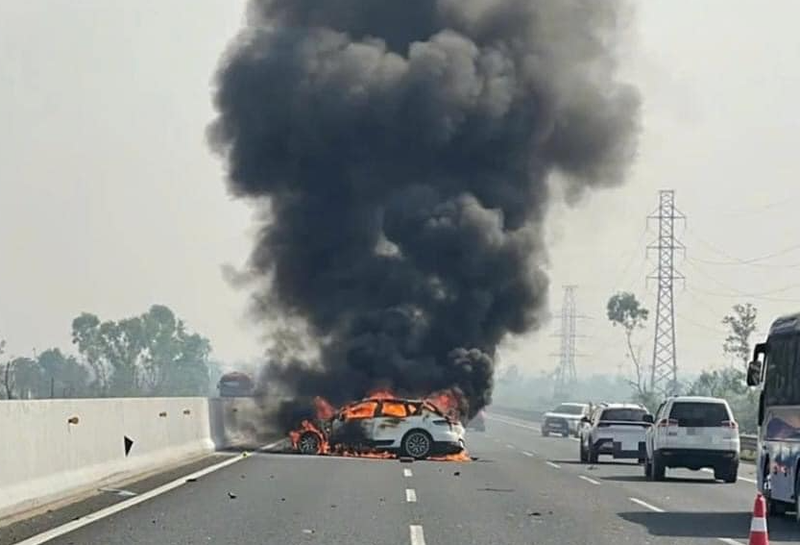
[693, 432]
[617, 429]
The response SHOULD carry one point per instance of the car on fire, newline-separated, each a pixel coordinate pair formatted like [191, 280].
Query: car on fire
[399, 426]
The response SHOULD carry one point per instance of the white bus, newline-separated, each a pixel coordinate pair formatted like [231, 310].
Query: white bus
[776, 365]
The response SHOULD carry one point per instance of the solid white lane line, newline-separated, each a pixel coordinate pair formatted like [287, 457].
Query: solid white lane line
[528, 454]
[407, 473]
[647, 505]
[551, 464]
[588, 480]
[411, 495]
[730, 541]
[574, 439]
[271, 445]
[510, 446]
[417, 535]
[121, 506]
[511, 423]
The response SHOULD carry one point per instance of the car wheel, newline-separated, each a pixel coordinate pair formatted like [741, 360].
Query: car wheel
[417, 444]
[659, 470]
[648, 469]
[583, 456]
[729, 474]
[309, 443]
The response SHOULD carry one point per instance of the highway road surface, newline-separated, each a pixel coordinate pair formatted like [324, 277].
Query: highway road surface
[524, 489]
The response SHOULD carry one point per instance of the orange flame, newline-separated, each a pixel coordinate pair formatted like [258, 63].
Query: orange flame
[325, 411]
[308, 427]
[381, 393]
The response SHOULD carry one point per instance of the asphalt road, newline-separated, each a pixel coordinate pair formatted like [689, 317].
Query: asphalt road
[523, 489]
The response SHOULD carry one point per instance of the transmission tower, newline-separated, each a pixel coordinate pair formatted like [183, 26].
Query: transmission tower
[664, 371]
[565, 376]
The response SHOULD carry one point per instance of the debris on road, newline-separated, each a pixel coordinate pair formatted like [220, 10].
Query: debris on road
[406, 459]
[232, 496]
[456, 474]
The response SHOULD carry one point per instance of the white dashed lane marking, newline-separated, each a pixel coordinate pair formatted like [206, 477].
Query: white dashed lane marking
[528, 454]
[647, 505]
[509, 446]
[407, 473]
[588, 480]
[553, 465]
[417, 535]
[411, 495]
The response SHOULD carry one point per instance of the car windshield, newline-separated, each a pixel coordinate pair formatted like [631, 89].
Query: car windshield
[624, 415]
[569, 409]
[699, 415]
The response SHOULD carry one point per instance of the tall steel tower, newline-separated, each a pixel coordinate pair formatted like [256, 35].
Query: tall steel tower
[664, 371]
[565, 375]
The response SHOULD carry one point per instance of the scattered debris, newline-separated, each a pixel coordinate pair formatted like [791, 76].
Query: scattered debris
[232, 496]
[308, 531]
[495, 489]
[406, 459]
[241, 476]
[333, 506]
[534, 514]
[283, 499]
[127, 443]
[191, 480]
[474, 458]
[272, 476]
[457, 474]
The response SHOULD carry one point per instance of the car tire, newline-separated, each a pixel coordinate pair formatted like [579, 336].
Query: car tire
[417, 444]
[648, 469]
[659, 470]
[729, 474]
[310, 443]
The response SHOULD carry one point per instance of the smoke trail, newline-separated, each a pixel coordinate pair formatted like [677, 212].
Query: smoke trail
[402, 150]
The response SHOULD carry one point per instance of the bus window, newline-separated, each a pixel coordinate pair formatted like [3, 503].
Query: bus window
[780, 387]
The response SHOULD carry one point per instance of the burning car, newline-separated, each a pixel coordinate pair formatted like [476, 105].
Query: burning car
[414, 428]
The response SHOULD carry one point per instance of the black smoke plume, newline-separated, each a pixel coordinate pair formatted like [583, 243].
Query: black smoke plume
[401, 151]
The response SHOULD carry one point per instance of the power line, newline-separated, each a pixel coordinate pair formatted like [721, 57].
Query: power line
[753, 261]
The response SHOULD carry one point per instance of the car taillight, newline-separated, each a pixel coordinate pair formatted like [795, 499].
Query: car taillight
[730, 424]
[667, 422]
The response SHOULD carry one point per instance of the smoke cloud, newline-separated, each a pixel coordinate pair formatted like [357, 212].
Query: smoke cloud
[401, 152]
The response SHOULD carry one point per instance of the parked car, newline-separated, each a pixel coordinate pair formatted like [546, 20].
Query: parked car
[694, 433]
[564, 419]
[407, 427]
[615, 429]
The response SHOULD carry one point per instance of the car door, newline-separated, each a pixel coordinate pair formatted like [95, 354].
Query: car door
[390, 423]
[653, 432]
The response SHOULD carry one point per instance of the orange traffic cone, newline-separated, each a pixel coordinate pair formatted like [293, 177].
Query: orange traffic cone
[758, 526]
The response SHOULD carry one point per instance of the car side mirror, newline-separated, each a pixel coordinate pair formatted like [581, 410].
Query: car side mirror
[648, 418]
[754, 373]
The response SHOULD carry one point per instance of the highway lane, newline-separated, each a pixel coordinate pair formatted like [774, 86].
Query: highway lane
[695, 505]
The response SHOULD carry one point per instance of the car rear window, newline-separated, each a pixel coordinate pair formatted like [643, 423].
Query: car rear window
[361, 410]
[568, 409]
[699, 415]
[624, 415]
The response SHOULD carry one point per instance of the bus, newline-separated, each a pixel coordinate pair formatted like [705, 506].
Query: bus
[776, 367]
[235, 385]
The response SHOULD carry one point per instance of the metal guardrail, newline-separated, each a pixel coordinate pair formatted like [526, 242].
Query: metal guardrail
[749, 442]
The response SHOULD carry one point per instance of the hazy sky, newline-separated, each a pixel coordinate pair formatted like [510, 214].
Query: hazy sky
[110, 200]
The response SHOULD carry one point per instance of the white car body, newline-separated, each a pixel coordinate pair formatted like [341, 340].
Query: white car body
[615, 429]
[564, 419]
[694, 432]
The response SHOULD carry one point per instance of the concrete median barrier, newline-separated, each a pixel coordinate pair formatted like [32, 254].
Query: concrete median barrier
[50, 449]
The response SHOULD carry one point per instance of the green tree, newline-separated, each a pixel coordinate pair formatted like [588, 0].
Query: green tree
[28, 378]
[742, 324]
[624, 310]
[150, 354]
[63, 375]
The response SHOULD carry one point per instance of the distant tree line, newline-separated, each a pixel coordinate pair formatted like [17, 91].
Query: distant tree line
[152, 354]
